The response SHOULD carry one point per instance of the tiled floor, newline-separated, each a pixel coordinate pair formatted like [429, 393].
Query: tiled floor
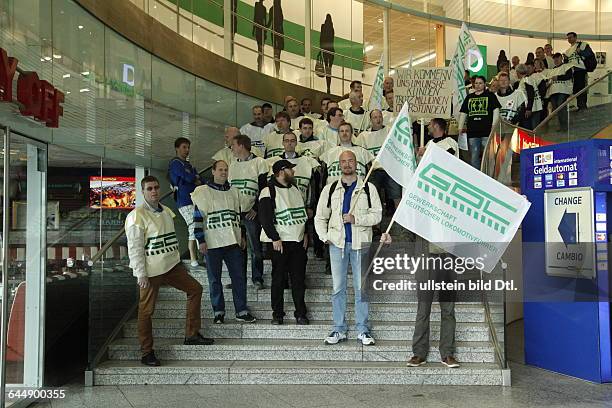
[531, 387]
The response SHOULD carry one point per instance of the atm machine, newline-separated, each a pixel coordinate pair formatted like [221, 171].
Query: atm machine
[566, 285]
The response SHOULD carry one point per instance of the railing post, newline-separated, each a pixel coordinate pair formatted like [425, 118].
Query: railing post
[386, 41]
[307, 42]
[228, 46]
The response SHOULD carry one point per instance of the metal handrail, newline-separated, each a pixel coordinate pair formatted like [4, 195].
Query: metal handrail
[121, 232]
[489, 319]
[570, 99]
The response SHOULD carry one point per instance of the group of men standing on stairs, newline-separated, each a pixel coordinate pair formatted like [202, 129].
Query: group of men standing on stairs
[270, 199]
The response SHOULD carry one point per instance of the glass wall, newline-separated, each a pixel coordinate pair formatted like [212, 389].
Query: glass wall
[123, 110]
[358, 31]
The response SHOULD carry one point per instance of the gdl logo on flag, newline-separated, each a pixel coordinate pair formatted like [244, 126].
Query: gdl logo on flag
[466, 197]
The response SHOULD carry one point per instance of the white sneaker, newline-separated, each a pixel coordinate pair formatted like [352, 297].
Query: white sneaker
[195, 263]
[366, 339]
[335, 338]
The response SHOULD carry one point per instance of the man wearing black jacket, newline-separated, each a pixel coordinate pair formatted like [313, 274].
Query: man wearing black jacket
[283, 217]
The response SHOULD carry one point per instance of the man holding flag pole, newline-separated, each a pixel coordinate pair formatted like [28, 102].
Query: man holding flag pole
[475, 230]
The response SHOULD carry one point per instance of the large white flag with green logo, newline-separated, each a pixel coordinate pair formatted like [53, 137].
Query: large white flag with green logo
[376, 97]
[460, 209]
[396, 155]
[466, 46]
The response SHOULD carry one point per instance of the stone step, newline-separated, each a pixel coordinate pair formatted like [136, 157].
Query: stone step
[383, 312]
[116, 372]
[314, 294]
[317, 330]
[295, 350]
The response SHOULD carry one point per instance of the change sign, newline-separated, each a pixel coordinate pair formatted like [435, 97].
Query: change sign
[427, 91]
[568, 215]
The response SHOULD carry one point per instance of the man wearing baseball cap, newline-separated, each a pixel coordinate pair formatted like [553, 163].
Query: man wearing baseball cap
[282, 215]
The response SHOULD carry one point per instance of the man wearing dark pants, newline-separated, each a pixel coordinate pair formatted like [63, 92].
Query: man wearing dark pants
[154, 258]
[580, 72]
[283, 217]
[248, 174]
[217, 219]
[420, 338]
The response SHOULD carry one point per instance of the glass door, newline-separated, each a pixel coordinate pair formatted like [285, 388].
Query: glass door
[25, 218]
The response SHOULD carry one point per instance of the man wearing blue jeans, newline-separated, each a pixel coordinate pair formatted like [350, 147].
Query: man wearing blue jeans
[348, 231]
[217, 229]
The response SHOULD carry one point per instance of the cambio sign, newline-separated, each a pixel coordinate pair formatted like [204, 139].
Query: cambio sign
[36, 97]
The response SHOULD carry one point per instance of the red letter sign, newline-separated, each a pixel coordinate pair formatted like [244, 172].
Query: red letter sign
[8, 66]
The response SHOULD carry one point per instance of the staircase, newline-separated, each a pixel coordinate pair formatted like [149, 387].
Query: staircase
[260, 353]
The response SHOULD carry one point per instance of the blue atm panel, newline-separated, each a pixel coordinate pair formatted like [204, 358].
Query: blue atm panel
[563, 332]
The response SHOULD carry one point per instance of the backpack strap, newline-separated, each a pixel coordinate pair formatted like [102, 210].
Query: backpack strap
[272, 190]
[366, 188]
[332, 188]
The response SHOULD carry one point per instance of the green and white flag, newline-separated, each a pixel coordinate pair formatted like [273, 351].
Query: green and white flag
[396, 155]
[376, 97]
[460, 209]
[466, 49]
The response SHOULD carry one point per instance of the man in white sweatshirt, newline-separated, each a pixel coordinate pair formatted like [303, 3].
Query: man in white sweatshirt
[344, 220]
[155, 260]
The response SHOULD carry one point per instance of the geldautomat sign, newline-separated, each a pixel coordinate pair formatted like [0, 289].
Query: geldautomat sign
[36, 97]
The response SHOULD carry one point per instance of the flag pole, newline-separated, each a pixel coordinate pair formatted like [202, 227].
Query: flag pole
[365, 180]
[422, 132]
[380, 244]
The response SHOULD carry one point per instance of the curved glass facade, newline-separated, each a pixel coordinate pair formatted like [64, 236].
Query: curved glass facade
[424, 31]
[121, 102]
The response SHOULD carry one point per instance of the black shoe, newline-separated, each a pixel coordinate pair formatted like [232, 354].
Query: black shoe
[277, 321]
[302, 321]
[198, 340]
[150, 360]
[228, 286]
[319, 253]
[246, 318]
[219, 319]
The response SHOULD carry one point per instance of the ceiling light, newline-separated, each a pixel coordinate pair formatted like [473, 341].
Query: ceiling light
[42, 60]
[85, 73]
[66, 76]
[392, 72]
[412, 39]
[369, 48]
[57, 56]
[67, 92]
[47, 58]
[80, 27]
[420, 60]
[84, 90]
[380, 20]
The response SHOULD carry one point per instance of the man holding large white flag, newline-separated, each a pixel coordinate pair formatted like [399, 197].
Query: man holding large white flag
[473, 219]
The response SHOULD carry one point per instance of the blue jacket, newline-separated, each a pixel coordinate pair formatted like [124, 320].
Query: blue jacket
[183, 176]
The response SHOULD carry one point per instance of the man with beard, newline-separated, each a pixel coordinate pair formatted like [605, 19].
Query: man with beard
[283, 217]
